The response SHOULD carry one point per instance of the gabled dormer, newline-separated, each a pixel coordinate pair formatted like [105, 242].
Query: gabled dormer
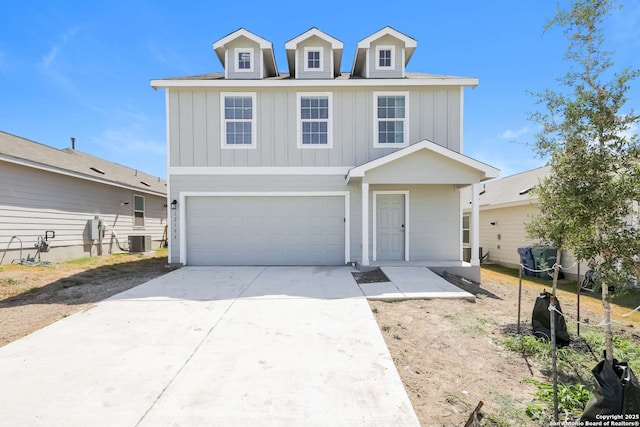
[384, 54]
[246, 56]
[314, 55]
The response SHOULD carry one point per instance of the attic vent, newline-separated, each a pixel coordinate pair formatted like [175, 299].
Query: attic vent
[145, 184]
[100, 171]
[525, 191]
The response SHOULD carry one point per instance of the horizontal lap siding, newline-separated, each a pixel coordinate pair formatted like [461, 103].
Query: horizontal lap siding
[195, 126]
[33, 201]
[502, 240]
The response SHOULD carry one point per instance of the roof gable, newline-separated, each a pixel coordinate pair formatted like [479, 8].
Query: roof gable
[360, 65]
[292, 46]
[221, 46]
[413, 163]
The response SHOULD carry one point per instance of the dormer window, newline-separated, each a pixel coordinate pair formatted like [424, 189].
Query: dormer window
[313, 59]
[385, 57]
[244, 60]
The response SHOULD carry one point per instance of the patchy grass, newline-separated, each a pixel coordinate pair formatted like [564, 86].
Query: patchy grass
[9, 281]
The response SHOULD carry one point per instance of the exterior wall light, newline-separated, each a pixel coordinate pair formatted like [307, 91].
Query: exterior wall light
[174, 204]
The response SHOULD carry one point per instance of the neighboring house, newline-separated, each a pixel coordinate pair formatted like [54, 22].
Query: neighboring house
[318, 166]
[75, 201]
[506, 205]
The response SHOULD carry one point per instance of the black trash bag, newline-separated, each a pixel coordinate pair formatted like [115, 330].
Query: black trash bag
[617, 391]
[541, 320]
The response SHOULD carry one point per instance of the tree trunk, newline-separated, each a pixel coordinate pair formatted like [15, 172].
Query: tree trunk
[607, 320]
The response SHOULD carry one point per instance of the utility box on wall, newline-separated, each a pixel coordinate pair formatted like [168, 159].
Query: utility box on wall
[94, 228]
[140, 243]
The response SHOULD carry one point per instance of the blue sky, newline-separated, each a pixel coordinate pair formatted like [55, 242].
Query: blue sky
[82, 68]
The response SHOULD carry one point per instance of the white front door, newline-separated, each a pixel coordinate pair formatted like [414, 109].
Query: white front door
[390, 227]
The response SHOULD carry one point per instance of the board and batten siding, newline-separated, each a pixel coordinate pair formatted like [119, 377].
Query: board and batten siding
[232, 65]
[33, 201]
[301, 59]
[398, 63]
[195, 127]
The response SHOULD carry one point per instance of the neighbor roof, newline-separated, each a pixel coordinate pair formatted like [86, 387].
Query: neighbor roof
[509, 191]
[17, 150]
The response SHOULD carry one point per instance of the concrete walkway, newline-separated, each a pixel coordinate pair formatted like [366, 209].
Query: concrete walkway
[211, 346]
[412, 283]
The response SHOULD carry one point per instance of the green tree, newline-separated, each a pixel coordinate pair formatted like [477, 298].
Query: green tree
[594, 185]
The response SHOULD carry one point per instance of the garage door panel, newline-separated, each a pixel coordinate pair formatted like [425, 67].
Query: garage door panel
[297, 230]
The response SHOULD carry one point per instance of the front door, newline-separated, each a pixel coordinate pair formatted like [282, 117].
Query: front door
[390, 227]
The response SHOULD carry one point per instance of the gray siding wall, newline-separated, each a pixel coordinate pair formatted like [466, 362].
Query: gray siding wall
[195, 123]
[327, 72]
[434, 209]
[33, 201]
[396, 72]
[232, 66]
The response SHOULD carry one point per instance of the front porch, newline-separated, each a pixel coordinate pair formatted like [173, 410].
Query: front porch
[411, 212]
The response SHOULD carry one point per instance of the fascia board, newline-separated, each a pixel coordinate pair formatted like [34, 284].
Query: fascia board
[437, 81]
[293, 43]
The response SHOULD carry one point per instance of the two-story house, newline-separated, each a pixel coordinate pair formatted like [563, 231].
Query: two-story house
[318, 166]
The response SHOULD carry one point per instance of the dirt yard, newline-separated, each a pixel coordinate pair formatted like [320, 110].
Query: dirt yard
[449, 352]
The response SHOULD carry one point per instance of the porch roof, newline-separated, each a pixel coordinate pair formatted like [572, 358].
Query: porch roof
[424, 162]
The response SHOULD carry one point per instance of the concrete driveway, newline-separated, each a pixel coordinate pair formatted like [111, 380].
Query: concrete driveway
[211, 346]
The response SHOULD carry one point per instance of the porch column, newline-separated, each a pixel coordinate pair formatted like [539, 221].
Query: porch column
[365, 223]
[475, 225]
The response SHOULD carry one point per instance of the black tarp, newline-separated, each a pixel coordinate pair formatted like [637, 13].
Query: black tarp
[617, 391]
[541, 320]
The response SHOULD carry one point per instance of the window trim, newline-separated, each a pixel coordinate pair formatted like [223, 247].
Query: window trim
[376, 135]
[306, 51]
[467, 229]
[223, 121]
[329, 143]
[144, 207]
[237, 52]
[392, 63]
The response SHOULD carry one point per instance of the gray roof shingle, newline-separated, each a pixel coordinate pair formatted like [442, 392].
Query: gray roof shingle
[82, 165]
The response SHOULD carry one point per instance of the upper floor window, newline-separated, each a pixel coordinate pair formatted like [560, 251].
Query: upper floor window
[314, 120]
[244, 59]
[138, 211]
[313, 59]
[385, 56]
[391, 119]
[238, 120]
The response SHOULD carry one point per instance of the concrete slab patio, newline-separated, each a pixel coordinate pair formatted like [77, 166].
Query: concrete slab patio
[223, 346]
[408, 282]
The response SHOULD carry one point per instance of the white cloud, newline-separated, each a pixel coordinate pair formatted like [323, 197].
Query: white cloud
[50, 57]
[130, 141]
[513, 134]
[634, 129]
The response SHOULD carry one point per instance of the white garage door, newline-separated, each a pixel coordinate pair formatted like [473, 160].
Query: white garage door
[267, 230]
